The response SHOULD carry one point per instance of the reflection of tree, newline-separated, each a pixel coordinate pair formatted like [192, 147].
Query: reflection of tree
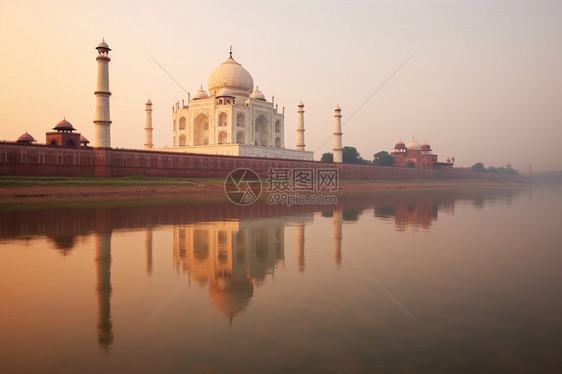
[64, 243]
[478, 203]
[384, 211]
[352, 215]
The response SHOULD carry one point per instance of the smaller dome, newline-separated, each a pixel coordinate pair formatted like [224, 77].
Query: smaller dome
[148, 102]
[425, 147]
[103, 45]
[257, 94]
[26, 138]
[225, 92]
[413, 145]
[400, 145]
[83, 139]
[338, 109]
[64, 125]
[201, 94]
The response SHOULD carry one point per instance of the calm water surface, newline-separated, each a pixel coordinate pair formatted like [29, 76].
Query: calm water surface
[452, 281]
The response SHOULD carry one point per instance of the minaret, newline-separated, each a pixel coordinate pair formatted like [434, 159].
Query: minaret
[148, 123]
[102, 120]
[338, 158]
[300, 127]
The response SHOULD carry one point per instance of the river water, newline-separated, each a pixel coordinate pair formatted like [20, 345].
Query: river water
[452, 281]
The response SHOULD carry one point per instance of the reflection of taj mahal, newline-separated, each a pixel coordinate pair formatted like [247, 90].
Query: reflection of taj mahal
[231, 257]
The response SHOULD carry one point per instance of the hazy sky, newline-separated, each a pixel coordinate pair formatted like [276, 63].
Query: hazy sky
[484, 83]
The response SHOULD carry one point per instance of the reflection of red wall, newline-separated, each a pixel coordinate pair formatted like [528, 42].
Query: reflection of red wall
[17, 159]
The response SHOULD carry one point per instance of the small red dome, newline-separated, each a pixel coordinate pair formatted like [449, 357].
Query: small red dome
[26, 138]
[64, 125]
[425, 147]
[400, 145]
[83, 140]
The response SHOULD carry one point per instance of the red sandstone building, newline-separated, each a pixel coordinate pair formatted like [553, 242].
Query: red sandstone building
[414, 155]
[64, 135]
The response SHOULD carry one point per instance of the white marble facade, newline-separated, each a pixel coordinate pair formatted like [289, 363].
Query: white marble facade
[232, 113]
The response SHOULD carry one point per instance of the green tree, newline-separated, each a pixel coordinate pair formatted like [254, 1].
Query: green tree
[351, 156]
[327, 157]
[478, 167]
[383, 158]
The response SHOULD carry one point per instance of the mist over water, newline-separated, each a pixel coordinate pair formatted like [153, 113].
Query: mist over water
[420, 281]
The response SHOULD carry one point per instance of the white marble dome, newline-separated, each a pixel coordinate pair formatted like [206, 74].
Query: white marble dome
[201, 94]
[413, 145]
[257, 94]
[224, 92]
[232, 75]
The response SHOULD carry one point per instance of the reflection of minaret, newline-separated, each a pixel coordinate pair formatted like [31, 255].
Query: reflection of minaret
[148, 246]
[337, 236]
[300, 247]
[103, 288]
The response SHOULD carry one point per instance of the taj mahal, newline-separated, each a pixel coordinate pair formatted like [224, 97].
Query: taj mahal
[232, 118]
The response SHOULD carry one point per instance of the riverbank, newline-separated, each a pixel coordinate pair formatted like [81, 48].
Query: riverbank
[40, 189]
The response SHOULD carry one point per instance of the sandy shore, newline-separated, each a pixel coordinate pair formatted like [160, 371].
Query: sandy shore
[206, 189]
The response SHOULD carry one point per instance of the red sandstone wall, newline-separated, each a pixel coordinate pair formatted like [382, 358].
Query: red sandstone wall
[42, 160]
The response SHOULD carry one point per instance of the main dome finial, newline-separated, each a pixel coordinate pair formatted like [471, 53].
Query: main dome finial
[231, 51]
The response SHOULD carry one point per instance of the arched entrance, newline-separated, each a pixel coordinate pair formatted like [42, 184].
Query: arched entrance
[182, 142]
[200, 129]
[241, 137]
[223, 119]
[222, 137]
[262, 131]
[240, 120]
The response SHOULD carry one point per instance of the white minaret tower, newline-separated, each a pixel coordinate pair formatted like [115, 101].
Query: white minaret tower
[300, 127]
[148, 123]
[102, 120]
[338, 158]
